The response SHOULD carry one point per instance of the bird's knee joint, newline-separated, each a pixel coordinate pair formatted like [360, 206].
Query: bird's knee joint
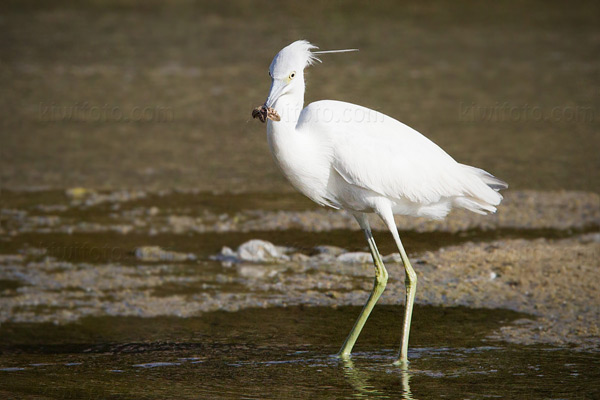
[411, 279]
[381, 277]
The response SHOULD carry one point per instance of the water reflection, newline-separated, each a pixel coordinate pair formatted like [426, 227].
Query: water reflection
[359, 380]
[277, 353]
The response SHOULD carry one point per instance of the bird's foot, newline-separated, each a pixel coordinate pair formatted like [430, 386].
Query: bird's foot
[401, 363]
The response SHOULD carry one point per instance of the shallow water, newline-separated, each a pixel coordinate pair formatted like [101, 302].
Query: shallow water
[137, 94]
[288, 352]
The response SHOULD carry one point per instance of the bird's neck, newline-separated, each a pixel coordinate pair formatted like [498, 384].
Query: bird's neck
[289, 107]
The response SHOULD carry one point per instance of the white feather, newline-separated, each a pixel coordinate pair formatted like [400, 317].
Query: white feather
[334, 51]
[347, 156]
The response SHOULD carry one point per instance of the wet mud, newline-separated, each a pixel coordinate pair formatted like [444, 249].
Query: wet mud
[65, 256]
[80, 210]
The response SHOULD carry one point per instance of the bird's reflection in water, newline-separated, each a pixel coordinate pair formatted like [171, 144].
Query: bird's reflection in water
[359, 380]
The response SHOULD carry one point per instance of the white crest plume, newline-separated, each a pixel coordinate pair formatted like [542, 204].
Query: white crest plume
[295, 55]
[299, 54]
[334, 51]
[329, 52]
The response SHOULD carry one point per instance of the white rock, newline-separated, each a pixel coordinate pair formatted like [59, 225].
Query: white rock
[260, 251]
[355, 258]
[392, 258]
[330, 250]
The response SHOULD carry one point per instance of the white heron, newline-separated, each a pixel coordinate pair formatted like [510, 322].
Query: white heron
[349, 157]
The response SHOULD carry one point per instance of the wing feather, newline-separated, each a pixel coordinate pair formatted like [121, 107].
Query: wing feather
[381, 154]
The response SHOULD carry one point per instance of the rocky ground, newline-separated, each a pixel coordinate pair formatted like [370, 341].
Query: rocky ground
[554, 279]
[80, 210]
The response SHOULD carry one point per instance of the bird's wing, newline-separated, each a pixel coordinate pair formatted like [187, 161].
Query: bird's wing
[376, 152]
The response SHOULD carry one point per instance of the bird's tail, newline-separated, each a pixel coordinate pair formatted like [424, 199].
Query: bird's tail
[482, 195]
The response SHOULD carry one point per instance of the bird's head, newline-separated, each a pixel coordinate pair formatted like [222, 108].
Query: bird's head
[287, 77]
[287, 70]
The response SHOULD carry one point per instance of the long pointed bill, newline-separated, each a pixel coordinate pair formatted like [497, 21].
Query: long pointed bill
[277, 87]
[266, 111]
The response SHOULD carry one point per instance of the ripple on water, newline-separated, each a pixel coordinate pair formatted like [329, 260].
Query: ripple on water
[289, 352]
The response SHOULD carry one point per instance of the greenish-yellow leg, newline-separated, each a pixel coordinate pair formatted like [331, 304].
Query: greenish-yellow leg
[411, 288]
[381, 277]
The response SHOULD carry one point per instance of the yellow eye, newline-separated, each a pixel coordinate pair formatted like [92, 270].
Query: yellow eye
[291, 76]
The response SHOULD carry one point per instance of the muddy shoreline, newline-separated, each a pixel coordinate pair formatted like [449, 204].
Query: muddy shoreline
[80, 253]
[80, 210]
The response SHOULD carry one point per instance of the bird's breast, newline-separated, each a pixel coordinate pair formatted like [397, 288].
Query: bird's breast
[301, 161]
